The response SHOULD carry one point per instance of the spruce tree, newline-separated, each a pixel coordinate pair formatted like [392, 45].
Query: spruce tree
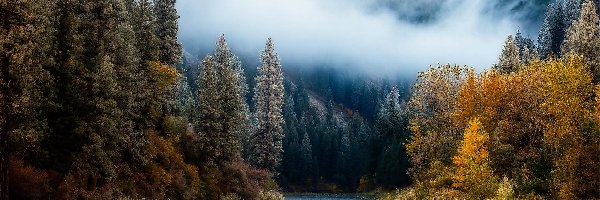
[307, 155]
[527, 50]
[552, 32]
[572, 8]
[166, 19]
[390, 115]
[25, 54]
[209, 109]
[509, 60]
[268, 99]
[583, 38]
[234, 117]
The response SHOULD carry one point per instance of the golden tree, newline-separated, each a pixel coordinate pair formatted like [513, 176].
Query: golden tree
[473, 172]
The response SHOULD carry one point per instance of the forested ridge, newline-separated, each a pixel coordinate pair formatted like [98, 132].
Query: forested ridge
[98, 100]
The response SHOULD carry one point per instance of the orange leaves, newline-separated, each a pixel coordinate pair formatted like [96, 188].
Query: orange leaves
[473, 145]
[473, 172]
[164, 76]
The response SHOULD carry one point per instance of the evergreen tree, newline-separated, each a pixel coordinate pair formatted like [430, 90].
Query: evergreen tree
[234, 116]
[583, 38]
[184, 100]
[166, 30]
[209, 109]
[268, 99]
[572, 8]
[552, 32]
[25, 50]
[509, 60]
[145, 30]
[307, 156]
[390, 117]
[527, 50]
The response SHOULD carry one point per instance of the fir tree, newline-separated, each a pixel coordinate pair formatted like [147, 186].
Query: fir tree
[390, 115]
[209, 109]
[571, 8]
[268, 99]
[509, 60]
[552, 32]
[307, 155]
[25, 93]
[166, 29]
[583, 38]
[234, 117]
[527, 50]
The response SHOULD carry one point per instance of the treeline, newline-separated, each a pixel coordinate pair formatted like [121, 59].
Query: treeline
[93, 107]
[528, 128]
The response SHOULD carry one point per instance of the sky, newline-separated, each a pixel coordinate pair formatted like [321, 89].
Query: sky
[364, 35]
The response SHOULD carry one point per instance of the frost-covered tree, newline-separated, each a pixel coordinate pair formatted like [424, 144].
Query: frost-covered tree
[583, 38]
[527, 49]
[234, 117]
[390, 119]
[268, 99]
[307, 155]
[145, 30]
[209, 109]
[571, 8]
[184, 100]
[552, 32]
[509, 60]
[166, 20]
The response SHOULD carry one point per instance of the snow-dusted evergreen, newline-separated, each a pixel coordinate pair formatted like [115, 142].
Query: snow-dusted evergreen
[583, 38]
[571, 9]
[552, 32]
[234, 116]
[268, 99]
[390, 114]
[527, 49]
[209, 110]
[166, 18]
[509, 60]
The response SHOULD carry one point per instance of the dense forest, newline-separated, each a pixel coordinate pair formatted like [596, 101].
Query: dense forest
[98, 100]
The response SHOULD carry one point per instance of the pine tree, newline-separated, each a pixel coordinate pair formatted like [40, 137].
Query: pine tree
[209, 109]
[509, 59]
[268, 99]
[552, 32]
[145, 30]
[527, 50]
[166, 20]
[307, 155]
[25, 54]
[184, 100]
[583, 38]
[390, 115]
[572, 8]
[234, 117]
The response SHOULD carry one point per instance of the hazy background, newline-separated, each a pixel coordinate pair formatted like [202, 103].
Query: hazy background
[380, 37]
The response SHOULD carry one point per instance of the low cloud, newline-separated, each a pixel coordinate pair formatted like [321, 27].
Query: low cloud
[349, 33]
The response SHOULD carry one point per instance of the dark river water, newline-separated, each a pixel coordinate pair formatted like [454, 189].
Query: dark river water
[323, 197]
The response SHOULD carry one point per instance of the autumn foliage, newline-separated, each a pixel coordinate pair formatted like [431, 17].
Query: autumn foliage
[537, 126]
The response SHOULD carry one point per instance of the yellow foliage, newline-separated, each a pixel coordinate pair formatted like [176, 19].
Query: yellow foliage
[473, 173]
[568, 91]
[163, 76]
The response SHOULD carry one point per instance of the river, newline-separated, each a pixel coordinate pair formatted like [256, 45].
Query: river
[324, 197]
